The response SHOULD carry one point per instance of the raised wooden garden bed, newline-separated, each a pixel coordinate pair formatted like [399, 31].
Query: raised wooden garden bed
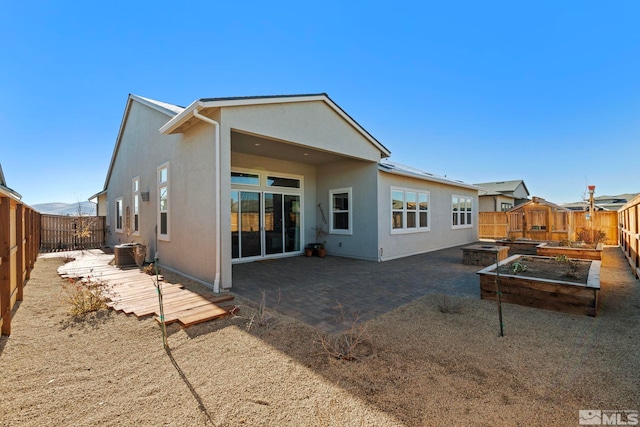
[521, 246]
[547, 249]
[524, 288]
[483, 255]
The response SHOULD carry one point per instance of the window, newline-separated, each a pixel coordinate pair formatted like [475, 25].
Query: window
[505, 206]
[409, 210]
[462, 211]
[163, 201]
[537, 219]
[278, 181]
[245, 178]
[136, 206]
[119, 215]
[340, 218]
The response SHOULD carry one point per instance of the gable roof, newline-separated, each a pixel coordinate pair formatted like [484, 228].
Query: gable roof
[538, 201]
[399, 169]
[502, 187]
[187, 114]
[165, 108]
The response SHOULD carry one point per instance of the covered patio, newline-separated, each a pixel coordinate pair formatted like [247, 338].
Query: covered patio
[312, 289]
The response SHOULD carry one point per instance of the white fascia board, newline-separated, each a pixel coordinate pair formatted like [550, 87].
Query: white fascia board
[431, 178]
[179, 119]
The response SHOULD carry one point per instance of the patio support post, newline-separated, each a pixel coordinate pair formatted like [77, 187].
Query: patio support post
[216, 125]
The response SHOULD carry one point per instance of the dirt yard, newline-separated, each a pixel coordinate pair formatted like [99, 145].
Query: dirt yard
[435, 361]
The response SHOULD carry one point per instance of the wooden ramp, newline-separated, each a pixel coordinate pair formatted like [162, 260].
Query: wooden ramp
[132, 291]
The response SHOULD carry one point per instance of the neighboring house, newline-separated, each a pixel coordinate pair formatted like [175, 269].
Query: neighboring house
[604, 203]
[231, 180]
[502, 195]
[6, 190]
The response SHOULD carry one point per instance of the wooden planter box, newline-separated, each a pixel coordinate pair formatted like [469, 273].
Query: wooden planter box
[483, 255]
[558, 295]
[525, 247]
[544, 249]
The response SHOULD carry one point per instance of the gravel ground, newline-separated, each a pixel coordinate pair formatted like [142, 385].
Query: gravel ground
[434, 361]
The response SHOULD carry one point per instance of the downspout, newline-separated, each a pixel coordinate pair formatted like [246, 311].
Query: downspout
[216, 125]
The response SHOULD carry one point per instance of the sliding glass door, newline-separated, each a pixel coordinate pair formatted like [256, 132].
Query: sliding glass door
[264, 224]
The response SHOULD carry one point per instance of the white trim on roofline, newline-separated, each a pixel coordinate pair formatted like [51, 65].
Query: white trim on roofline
[397, 169]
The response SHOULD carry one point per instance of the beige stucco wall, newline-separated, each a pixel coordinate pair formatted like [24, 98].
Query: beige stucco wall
[493, 203]
[313, 124]
[191, 178]
[441, 234]
[361, 177]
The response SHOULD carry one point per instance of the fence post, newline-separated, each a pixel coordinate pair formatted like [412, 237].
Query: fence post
[5, 265]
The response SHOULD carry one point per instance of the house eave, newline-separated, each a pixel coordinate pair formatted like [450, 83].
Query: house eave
[439, 180]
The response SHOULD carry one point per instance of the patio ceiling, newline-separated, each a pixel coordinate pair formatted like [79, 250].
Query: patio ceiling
[266, 147]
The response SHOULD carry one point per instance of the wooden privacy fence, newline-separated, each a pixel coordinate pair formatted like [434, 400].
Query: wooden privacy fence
[19, 240]
[629, 219]
[72, 232]
[496, 225]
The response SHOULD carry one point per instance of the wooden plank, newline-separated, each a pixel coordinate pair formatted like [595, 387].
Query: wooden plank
[197, 311]
[141, 306]
[176, 304]
[205, 317]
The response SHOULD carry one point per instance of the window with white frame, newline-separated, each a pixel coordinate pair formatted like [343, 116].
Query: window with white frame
[341, 215]
[462, 211]
[409, 210]
[163, 201]
[119, 215]
[136, 206]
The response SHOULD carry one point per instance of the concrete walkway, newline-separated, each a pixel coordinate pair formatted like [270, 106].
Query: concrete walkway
[313, 289]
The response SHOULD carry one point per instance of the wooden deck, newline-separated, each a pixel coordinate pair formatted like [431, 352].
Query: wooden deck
[132, 291]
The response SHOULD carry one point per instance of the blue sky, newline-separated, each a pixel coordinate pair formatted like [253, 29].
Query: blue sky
[548, 92]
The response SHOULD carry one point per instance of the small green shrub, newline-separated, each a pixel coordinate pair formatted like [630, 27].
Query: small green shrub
[518, 267]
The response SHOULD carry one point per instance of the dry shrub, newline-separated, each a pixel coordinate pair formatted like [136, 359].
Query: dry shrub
[350, 344]
[447, 306]
[150, 269]
[591, 236]
[262, 316]
[84, 297]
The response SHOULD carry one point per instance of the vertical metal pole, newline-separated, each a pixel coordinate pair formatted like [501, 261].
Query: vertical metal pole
[499, 289]
[160, 303]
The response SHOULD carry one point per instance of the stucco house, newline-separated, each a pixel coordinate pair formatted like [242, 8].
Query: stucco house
[501, 196]
[232, 180]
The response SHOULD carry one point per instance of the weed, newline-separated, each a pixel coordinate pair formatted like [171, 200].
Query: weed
[572, 272]
[84, 297]
[262, 316]
[150, 269]
[446, 306]
[562, 259]
[348, 344]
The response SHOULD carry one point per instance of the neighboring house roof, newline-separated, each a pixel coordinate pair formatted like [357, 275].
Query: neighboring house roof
[187, 114]
[399, 169]
[609, 203]
[506, 188]
[4, 189]
[538, 201]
